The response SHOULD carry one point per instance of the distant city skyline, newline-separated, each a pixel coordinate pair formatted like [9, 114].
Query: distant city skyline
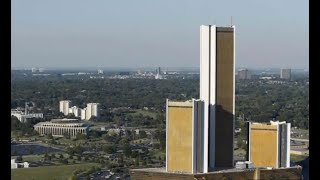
[110, 34]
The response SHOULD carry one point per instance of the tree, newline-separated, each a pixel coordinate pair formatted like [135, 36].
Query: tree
[73, 177]
[144, 162]
[19, 159]
[127, 150]
[109, 149]
[124, 140]
[49, 136]
[66, 135]
[45, 156]
[80, 136]
[117, 120]
[63, 161]
[142, 134]
[136, 162]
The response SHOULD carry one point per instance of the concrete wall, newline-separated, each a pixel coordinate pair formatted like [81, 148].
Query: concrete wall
[179, 139]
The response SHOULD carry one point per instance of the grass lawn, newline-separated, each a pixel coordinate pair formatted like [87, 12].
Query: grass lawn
[62, 172]
[157, 153]
[30, 158]
[295, 158]
[143, 141]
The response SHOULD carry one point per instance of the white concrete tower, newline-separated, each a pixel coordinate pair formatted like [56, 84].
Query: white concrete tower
[64, 106]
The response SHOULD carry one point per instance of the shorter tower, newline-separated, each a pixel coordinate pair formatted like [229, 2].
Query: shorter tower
[92, 110]
[65, 106]
[244, 74]
[269, 144]
[184, 148]
[83, 113]
[285, 74]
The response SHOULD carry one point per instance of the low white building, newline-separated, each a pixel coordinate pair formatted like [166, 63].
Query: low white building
[60, 127]
[15, 165]
[22, 117]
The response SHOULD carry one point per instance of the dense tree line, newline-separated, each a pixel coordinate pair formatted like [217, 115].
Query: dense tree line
[257, 100]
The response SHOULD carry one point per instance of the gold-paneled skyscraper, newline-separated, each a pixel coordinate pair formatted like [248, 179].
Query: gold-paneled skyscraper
[205, 142]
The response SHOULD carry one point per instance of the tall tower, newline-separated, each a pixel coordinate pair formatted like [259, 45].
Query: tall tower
[202, 130]
[64, 106]
[285, 73]
[217, 88]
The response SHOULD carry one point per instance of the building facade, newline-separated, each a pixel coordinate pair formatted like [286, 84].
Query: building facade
[269, 144]
[60, 127]
[64, 107]
[83, 113]
[285, 73]
[22, 117]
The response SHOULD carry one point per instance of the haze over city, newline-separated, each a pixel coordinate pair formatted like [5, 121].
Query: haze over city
[113, 34]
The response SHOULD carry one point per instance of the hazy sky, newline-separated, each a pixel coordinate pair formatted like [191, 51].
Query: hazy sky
[144, 33]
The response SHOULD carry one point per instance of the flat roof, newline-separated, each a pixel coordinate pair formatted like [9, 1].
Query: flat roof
[180, 103]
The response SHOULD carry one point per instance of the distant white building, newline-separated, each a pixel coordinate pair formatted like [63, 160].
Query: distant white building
[100, 71]
[60, 127]
[83, 113]
[92, 110]
[64, 107]
[15, 165]
[267, 77]
[22, 116]
[285, 73]
[158, 75]
[34, 70]
[75, 110]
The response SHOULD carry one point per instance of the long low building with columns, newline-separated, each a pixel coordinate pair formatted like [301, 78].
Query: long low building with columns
[60, 127]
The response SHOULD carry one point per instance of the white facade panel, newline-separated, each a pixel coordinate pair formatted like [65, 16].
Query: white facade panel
[204, 89]
[212, 100]
[288, 144]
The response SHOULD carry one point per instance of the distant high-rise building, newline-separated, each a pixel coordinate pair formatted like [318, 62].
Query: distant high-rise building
[158, 75]
[269, 144]
[285, 74]
[100, 71]
[244, 74]
[34, 70]
[64, 106]
[92, 110]
[75, 110]
[83, 113]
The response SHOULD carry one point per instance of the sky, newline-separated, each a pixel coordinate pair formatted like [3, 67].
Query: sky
[165, 33]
